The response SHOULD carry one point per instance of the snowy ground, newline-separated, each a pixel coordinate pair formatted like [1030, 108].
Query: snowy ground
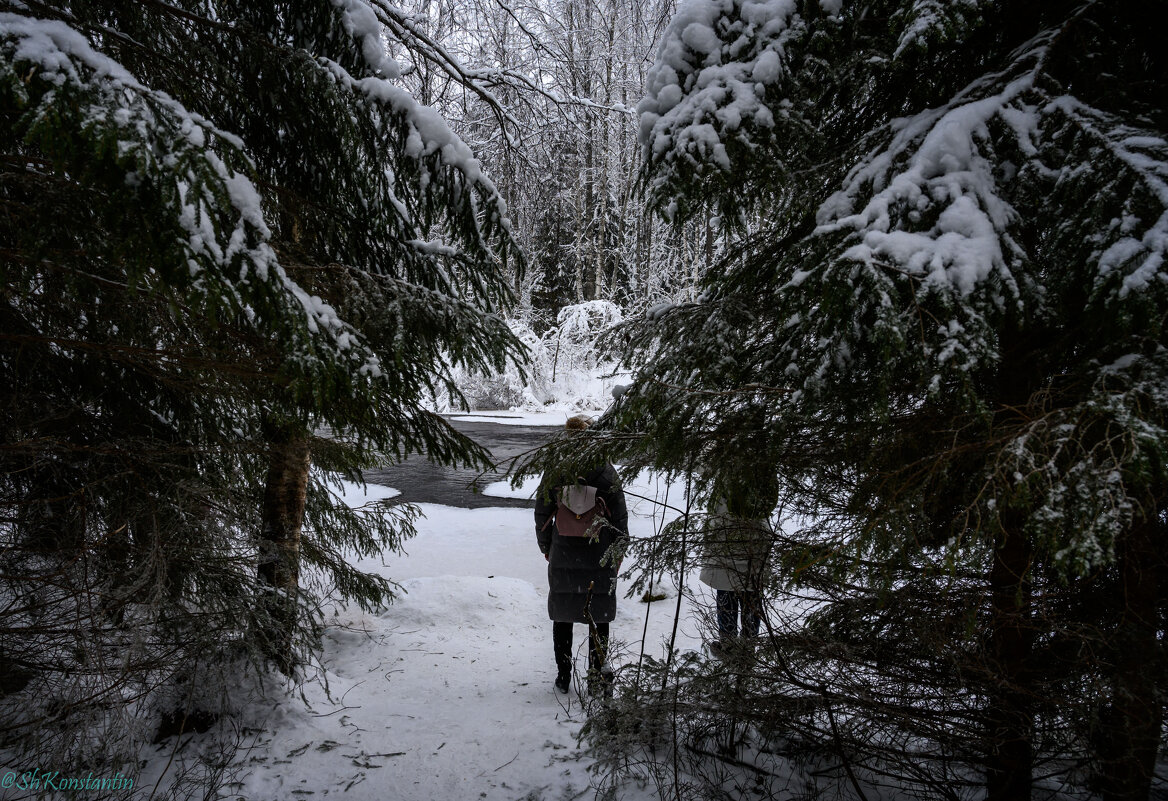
[555, 418]
[447, 693]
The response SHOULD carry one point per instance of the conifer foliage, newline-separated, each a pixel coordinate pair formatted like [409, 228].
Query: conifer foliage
[232, 247]
[948, 343]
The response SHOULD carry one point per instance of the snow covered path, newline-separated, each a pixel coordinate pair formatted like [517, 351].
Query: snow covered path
[447, 693]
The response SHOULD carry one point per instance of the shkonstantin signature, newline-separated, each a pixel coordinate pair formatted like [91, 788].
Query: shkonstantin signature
[57, 781]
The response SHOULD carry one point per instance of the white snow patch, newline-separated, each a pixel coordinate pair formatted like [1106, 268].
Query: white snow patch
[358, 496]
[552, 417]
[448, 692]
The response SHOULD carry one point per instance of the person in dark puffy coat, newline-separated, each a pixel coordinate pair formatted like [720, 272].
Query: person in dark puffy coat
[574, 564]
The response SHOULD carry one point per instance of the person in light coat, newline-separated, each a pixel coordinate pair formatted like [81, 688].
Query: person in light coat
[737, 539]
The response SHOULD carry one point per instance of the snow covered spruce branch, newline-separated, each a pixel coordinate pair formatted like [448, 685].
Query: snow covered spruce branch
[199, 171]
[957, 269]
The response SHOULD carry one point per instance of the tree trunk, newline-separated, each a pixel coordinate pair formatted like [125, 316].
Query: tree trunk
[1010, 718]
[279, 566]
[1130, 730]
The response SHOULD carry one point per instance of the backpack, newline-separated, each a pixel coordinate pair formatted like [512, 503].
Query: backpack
[576, 510]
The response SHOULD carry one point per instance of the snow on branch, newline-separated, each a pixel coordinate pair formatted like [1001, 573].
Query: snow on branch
[710, 79]
[405, 28]
[934, 168]
[1146, 156]
[160, 142]
[482, 81]
[362, 24]
[933, 21]
[427, 132]
[941, 167]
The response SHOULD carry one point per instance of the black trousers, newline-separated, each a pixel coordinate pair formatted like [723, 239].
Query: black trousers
[729, 603]
[562, 643]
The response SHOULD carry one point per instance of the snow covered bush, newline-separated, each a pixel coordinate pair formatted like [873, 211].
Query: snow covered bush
[580, 377]
[511, 388]
[565, 369]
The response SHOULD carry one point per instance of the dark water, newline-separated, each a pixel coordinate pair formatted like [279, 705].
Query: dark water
[421, 481]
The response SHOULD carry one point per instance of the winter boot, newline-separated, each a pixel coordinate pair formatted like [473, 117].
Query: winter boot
[600, 681]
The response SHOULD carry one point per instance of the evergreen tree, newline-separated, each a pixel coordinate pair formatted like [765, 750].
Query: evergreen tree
[231, 245]
[947, 341]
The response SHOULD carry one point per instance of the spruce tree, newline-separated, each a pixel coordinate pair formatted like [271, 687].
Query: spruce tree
[232, 245]
[947, 342]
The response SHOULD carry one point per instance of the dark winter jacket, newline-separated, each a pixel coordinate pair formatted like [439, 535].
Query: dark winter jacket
[574, 562]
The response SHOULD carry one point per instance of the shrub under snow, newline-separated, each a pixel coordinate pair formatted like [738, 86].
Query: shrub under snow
[566, 371]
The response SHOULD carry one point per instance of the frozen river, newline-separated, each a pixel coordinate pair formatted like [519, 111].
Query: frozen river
[421, 481]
